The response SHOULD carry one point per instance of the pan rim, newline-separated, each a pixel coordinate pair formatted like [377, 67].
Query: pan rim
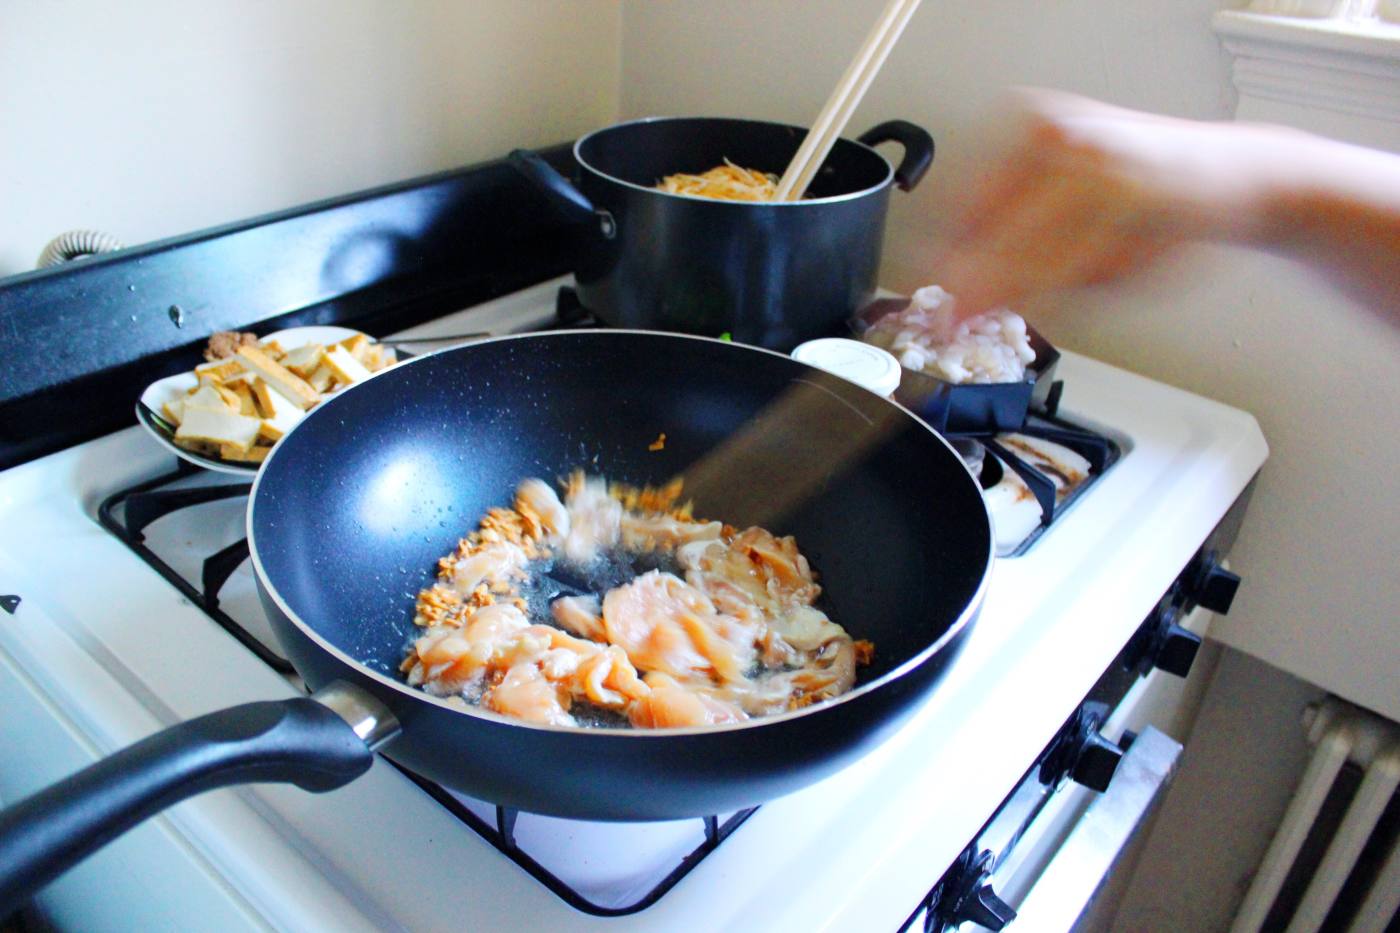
[414, 694]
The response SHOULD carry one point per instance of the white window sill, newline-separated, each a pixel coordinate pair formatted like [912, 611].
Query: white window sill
[1333, 64]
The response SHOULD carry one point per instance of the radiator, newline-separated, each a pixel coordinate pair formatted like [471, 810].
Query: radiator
[1341, 733]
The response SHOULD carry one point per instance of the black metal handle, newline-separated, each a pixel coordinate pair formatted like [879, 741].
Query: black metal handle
[299, 741]
[572, 204]
[918, 149]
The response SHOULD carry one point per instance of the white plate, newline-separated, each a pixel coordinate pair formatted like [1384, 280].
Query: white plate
[172, 387]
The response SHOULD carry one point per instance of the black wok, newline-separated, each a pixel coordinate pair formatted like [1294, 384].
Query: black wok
[352, 510]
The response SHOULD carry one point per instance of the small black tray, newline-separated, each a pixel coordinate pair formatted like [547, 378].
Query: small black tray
[983, 408]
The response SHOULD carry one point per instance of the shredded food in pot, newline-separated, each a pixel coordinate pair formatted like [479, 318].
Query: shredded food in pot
[727, 182]
[614, 606]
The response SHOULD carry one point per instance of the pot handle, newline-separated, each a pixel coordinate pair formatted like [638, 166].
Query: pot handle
[571, 203]
[318, 746]
[918, 149]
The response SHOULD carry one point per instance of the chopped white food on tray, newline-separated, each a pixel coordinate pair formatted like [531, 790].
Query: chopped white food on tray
[926, 337]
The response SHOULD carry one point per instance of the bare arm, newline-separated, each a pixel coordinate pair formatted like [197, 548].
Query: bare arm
[1091, 193]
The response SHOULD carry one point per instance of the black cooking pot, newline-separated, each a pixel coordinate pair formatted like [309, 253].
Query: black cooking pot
[772, 274]
[352, 510]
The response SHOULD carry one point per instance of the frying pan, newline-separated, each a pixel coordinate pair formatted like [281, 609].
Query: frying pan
[351, 511]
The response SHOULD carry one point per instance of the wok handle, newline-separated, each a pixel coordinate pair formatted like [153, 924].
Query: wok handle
[571, 203]
[300, 741]
[918, 149]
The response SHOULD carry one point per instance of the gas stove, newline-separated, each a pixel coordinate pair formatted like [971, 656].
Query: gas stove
[126, 606]
[98, 647]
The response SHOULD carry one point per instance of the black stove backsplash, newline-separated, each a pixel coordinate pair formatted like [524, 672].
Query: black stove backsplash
[83, 339]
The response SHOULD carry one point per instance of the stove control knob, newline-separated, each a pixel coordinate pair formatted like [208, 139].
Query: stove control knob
[1178, 650]
[1163, 643]
[1080, 752]
[964, 895]
[1210, 585]
[984, 908]
[1097, 761]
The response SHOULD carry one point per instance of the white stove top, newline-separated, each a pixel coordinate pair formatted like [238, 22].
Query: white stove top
[101, 651]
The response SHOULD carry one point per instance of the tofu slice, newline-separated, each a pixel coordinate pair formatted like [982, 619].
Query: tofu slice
[345, 367]
[247, 405]
[322, 378]
[279, 413]
[304, 359]
[284, 380]
[174, 409]
[230, 398]
[205, 425]
[356, 346]
[377, 357]
[206, 397]
[255, 454]
[219, 370]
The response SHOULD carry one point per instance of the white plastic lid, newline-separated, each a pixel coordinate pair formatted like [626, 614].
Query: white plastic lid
[862, 363]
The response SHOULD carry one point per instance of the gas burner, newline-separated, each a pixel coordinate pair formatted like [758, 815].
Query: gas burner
[604, 869]
[1030, 477]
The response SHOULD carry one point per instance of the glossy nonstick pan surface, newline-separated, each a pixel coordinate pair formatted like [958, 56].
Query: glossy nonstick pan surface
[352, 512]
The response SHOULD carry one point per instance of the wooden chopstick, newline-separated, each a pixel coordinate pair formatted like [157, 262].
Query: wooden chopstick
[837, 110]
[833, 130]
[849, 78]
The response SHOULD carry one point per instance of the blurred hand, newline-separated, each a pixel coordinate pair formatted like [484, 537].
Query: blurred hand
[1089, 193]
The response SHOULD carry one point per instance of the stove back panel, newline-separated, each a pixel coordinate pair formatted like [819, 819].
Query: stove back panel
[81, 340]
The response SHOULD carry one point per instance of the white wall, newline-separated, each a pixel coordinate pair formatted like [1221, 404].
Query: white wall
[157, 117]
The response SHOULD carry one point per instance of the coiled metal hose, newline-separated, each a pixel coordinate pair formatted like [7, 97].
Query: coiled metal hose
[76, 244]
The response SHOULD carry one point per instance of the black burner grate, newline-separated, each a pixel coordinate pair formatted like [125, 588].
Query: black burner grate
[1100, 451]
[127, 514]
